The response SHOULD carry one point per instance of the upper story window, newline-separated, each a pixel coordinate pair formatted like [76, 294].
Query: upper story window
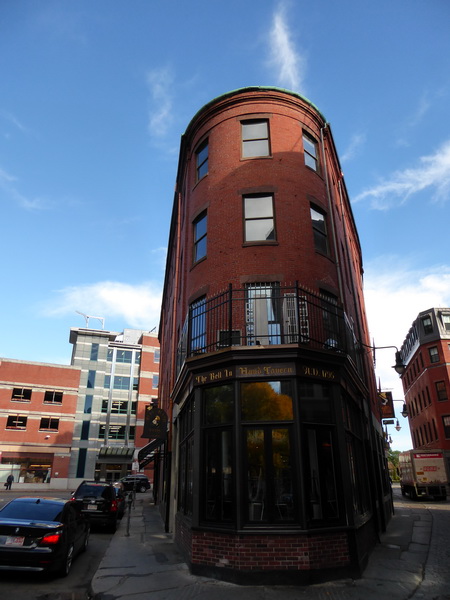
[446, 322]
[16, 422]
[197, 331]
[53, 397]
[255, 138]
[319, 230]
[201, 160]
[200, 231]
[94, 351]
[434, 354]
[441, 391]
[91, 379]
[49, 424]
[21, 394]
[259, 218]
[157, 355]
[155, 381]
[427, 324]
[446, 424]
[310, 148]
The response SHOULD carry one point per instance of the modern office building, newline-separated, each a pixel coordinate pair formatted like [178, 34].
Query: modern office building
[119, 378]
[426, 381]
[37, 418]
[274, 467]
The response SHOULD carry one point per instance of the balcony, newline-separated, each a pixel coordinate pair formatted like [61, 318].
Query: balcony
[266, 314]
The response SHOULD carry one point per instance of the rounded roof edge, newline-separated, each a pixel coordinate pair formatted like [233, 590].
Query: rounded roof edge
[250, 89]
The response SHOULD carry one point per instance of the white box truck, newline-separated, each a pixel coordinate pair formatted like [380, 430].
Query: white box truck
[423, 473]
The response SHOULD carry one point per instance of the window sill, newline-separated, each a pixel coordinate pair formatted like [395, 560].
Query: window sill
[261, 243]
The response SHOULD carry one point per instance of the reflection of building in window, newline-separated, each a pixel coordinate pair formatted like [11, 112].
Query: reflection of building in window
[263, 313]
[427, 324]
[116, 432]
[434, 354]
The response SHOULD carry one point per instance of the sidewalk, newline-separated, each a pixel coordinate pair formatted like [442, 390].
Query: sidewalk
[147, 565]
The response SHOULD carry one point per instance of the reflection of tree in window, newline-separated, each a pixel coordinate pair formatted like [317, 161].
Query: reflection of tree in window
[218, 404]
[266, 401]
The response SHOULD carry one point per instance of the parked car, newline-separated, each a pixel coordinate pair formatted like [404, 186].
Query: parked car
[41, 534]
[100, 501]
[138, 482]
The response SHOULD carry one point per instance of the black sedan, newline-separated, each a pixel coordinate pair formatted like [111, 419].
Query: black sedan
[41, 534]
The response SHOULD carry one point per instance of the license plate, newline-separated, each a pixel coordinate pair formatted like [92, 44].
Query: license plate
[92, 507]
[14, 541]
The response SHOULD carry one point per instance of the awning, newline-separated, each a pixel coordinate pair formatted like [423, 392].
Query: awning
[118, 453]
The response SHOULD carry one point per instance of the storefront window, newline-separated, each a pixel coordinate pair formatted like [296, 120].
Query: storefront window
[266, 401]
[269, 475]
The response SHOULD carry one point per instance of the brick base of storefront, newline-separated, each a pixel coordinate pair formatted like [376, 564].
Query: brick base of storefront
[266, 558]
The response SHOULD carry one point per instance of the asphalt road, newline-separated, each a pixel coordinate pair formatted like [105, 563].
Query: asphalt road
[32, 586]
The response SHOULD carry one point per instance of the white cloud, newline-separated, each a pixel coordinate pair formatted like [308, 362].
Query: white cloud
[290, 66]
[357, 140]
[7, 184]
[432, 174]
[137, 306]
[160, 82]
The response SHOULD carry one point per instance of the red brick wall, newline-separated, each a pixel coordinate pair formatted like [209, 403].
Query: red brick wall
[262, 552]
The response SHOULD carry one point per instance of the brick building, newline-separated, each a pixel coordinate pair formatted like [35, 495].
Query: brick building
[274, 468]
[67, 423]
[426, 381]
[37, 412]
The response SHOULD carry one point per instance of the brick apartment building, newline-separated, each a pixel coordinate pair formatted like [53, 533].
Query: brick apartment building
[62, 424]
[274, 468]
[426, 381]
[37, 412]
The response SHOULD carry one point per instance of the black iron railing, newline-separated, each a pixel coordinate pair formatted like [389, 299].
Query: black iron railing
[266, 314]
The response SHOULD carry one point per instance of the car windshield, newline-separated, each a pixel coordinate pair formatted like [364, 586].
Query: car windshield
[34, 510]
[92, 490]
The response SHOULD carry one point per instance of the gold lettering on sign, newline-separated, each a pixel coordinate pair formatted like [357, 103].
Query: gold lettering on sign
[318, 372]
[213, 376]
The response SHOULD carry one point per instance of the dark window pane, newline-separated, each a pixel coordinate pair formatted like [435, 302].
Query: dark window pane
[218, 404]
[266, 401]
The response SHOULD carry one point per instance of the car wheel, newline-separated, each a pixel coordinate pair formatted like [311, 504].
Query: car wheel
[86, 540]
[67, 564]
[142, 488]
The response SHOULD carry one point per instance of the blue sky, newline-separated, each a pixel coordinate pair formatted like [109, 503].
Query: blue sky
[96, 94]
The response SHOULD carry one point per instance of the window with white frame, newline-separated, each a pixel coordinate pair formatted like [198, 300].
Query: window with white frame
[434, 354]
[255, 138]
[310, 148]
[259, 218]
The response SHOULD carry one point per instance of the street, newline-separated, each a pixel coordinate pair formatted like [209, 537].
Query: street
[24, 586]
[33, 586]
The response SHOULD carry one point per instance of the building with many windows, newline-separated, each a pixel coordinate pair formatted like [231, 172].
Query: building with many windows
[119, 378]
[37, 417]
[274, 467]
[67, 423]
[426, 381]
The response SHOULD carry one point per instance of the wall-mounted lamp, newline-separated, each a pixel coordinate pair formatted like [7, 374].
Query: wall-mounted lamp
[399, 366]
[404, 412]
[397, 426]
